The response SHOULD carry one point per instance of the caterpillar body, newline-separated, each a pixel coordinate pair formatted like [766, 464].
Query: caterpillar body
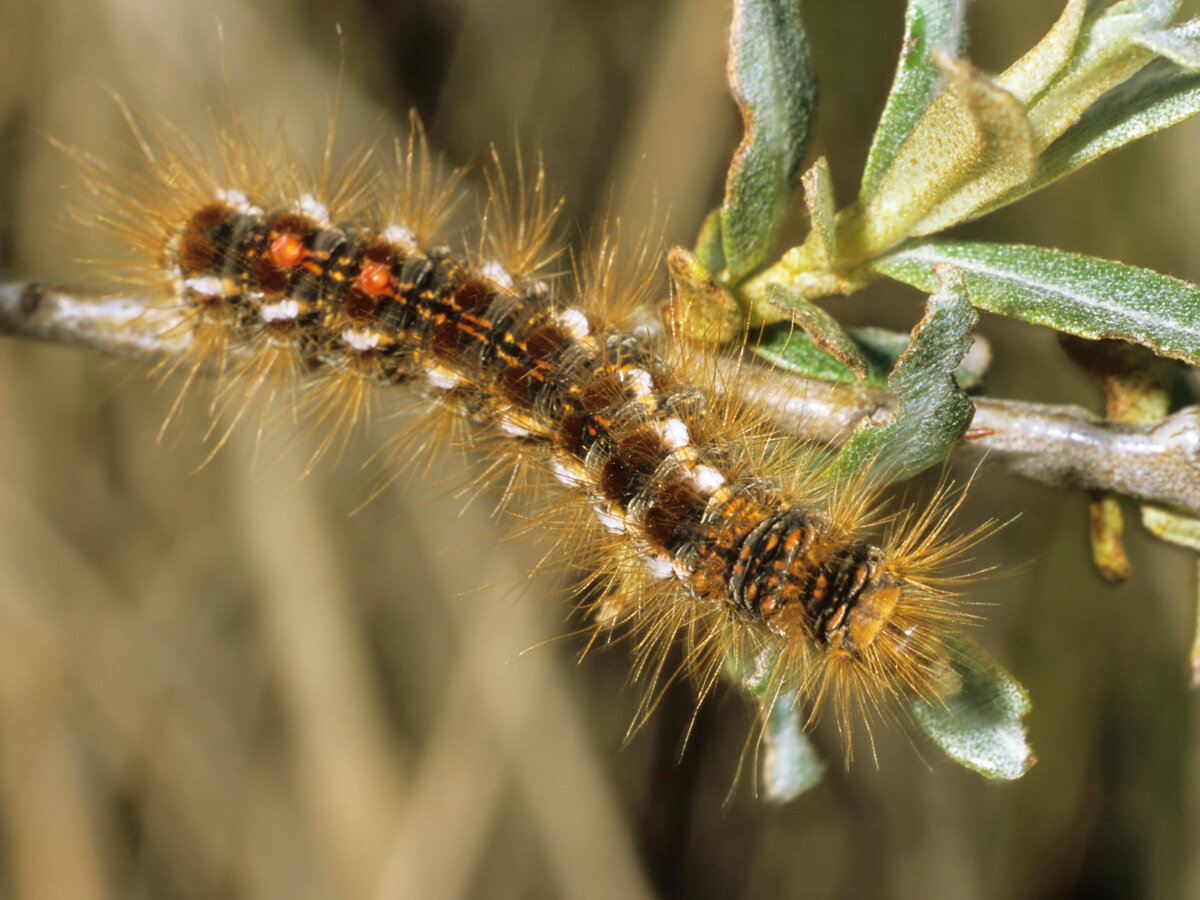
[735, 543]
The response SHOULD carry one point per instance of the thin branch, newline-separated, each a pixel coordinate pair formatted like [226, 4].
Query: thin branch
[1065, 447]
[1062, 446]
[119, 326]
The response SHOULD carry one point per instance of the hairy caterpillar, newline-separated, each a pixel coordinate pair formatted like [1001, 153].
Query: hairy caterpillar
[697, 520]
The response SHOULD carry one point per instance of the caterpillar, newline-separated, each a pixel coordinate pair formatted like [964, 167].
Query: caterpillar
[695, 518]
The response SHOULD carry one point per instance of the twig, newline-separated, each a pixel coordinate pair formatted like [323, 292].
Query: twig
[1065, 447]
[1062, 446]
[119, 326]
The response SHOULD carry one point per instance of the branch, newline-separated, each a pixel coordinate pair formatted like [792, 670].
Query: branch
[1065, 447]
[119, 326]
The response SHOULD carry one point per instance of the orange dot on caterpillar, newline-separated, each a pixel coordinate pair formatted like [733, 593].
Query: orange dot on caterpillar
[286, 251]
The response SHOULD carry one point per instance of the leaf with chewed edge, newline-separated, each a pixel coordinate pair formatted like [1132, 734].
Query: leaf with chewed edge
[822, 328]
[771, 80]
[932, 411]
[979, 725]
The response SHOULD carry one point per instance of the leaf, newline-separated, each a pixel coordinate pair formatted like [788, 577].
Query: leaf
[1081, 295]
[973, 144]
[1184, 531]
[979, 725]
[794, 351]
[1029, 75]
[1004, 154]
[1181, 44]
[818, 198]
[790, 765]
[771, 80]
[932, 412]
[822, 328]
[1086, 59]
[929, 26]
[1105, 55]
[1158, 96]
[889, 346]
[980, 144]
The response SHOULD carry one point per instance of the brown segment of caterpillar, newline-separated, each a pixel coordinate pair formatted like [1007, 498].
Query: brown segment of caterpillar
[421, 195]
[697, 520]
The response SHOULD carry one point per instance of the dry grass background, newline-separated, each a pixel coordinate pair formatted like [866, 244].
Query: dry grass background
[222, 684]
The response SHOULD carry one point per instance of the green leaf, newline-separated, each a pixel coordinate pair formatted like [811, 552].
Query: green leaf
[1113, 45]
[932, 412]
[771, 80]
[1081, 295]
[818, 198]
[929, 25]
[882, 344]
[821, 328]
[793, 351]
[790, 765]
[973, 144]
[1181, 44]
[1028, 76]
[979, 725]
[947, 155]
[1158, 96]
[1002, 144]
[1183, 530]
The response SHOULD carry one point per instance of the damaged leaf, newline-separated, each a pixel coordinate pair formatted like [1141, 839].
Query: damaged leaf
[771, 80]
[932, 412]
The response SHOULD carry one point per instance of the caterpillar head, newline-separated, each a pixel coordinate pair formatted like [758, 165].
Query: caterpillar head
[876, 643]
[854, 626]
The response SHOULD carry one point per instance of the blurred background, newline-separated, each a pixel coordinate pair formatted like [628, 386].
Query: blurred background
[221, 683]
